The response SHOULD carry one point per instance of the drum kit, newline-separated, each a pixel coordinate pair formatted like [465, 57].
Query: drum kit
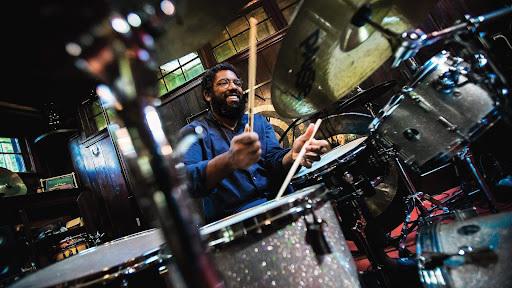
[299, 240]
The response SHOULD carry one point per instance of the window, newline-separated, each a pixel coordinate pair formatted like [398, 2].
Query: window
[177, 72]
[235, 37]
[93, 118]
[10, 155]
[288, 7]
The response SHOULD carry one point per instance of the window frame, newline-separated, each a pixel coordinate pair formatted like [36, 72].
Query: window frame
[25, 154]
[180, 67]
[244, 14]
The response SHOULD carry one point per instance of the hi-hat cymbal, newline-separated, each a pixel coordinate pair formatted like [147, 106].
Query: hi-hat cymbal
[11, 183]
[312, 72]
[385, 192]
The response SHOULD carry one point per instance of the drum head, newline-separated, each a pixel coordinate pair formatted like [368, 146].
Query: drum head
[97, 262]
[336, 154]
[255, 218]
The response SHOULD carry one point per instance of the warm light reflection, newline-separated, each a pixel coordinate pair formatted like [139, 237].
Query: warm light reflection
[134, 20]
[120, 25]
[124, 141]
[167, 7]
[107, 97]
[73, 49]
[155, 125]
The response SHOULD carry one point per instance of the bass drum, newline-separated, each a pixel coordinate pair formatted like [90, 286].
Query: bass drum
[480, 250]
[294, 241]
[137, 260]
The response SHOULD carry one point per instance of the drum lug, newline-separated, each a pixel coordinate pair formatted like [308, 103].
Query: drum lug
[315, 236]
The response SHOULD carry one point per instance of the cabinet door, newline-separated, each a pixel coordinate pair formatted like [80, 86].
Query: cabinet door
[112, 185]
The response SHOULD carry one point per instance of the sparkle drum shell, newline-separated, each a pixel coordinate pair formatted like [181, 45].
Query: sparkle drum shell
[490, 231]
[433, 122]
[265, 246]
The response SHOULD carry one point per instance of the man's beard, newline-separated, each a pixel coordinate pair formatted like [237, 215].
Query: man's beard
[234, 111]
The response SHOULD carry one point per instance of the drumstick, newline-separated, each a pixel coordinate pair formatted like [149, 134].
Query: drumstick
[295, 164]
[252, 70]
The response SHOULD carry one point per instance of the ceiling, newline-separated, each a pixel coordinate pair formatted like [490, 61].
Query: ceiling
[42, 71]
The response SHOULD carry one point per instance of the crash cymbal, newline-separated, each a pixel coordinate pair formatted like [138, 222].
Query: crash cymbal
[385, 192]
[11, 183]
[312, 72]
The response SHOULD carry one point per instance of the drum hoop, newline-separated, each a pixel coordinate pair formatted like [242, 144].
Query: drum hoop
[133, 265]
[430, 66]
[294, 206]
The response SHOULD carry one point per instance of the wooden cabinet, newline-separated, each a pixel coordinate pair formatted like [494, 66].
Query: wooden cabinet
[108, 204]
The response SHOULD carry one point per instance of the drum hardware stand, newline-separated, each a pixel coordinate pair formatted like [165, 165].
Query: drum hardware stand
[413, 200]
[375, 255]
[361, 239]
[466, 156]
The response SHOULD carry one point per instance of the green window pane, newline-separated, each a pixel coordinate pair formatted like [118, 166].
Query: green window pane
[13, 162]
[100, 122]
[259, 14]
[5, 140]
[95, 108]
[288, 13]
[174, 79]
[238, 26]
[193, 68]
[241, 41]
[265, 29]
[224, 51]
[219, 38]
[187, 58]
[170, 66]
[112, 116]
[6, 147]
[161, 87]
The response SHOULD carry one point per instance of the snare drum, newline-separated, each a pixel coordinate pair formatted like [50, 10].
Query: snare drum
[439, 113]
[277, 244]
[360, 161]
[491, 267]
[137, 260]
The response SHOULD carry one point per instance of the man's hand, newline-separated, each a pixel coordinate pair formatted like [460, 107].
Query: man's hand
[245, 150]
[313, 150]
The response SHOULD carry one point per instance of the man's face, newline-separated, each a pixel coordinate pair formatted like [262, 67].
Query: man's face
[227, 98]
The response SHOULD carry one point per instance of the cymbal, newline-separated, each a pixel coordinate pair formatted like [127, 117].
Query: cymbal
[366, 96]
[11, 183]
[311, 71]
[384, 192]
[345, 123]
[193, 25]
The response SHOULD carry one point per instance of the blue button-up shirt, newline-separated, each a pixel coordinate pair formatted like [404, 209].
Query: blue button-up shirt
[243, 188]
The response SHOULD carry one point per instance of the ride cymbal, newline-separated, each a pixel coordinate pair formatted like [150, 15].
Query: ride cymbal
[312, 72]
[11, 183]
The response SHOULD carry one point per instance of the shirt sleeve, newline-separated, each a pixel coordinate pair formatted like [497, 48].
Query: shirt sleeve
[196, 161]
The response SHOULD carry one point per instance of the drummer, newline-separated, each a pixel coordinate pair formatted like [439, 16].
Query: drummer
[232, 169]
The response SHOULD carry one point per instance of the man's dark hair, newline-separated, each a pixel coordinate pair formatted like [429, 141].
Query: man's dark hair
[209, 75]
